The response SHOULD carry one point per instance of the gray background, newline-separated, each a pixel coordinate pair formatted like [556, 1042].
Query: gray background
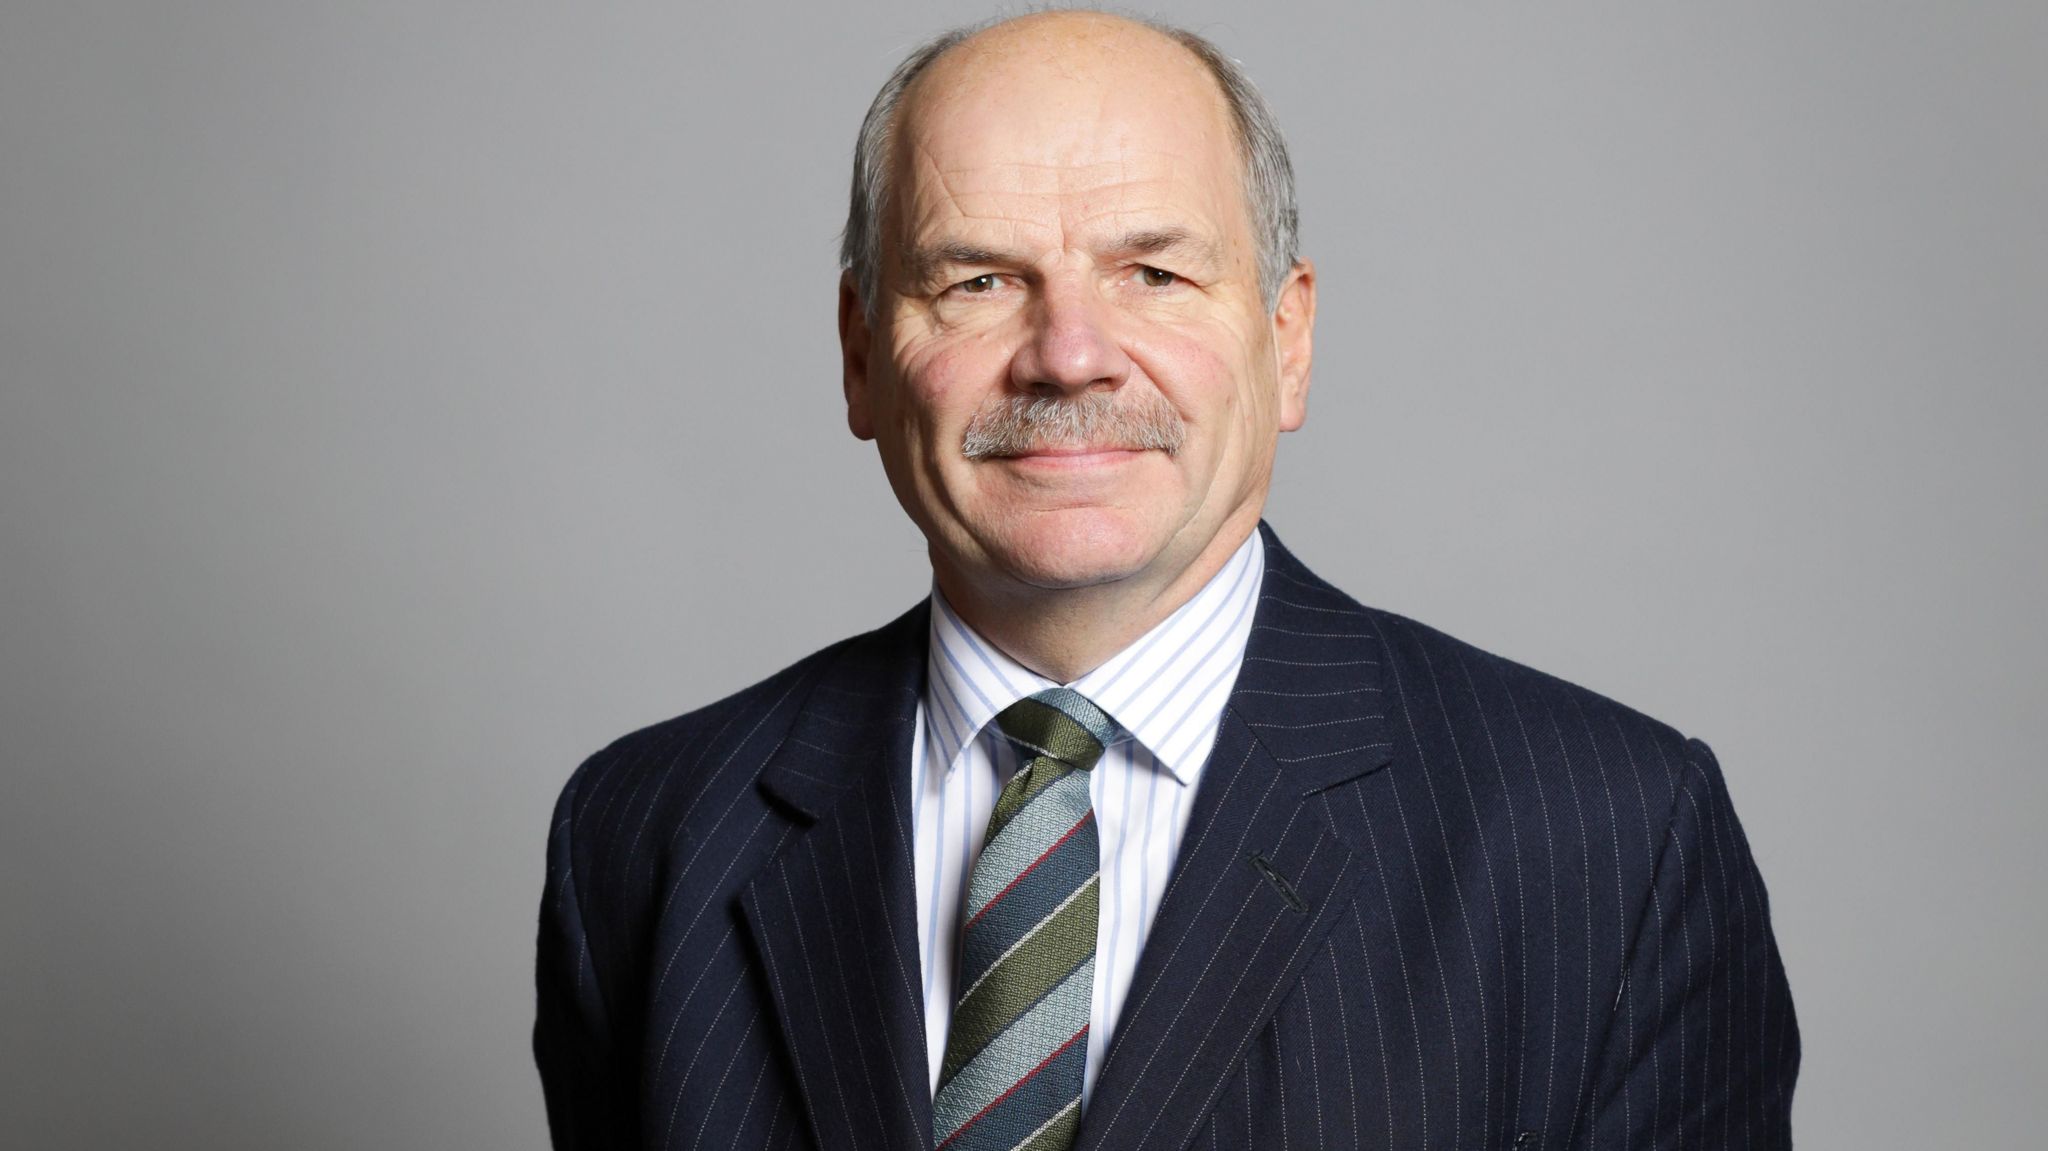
[399, 401]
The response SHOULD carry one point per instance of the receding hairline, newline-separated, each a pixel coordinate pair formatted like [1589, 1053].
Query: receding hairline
[1012, 37]
[989, 38]
[1266, 180]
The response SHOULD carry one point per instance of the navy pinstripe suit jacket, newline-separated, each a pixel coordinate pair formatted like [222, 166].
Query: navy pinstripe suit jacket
[1488, 910]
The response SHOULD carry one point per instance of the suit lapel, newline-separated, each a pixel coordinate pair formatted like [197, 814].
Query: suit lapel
[833, 917]
[1262, 875]
[1261, 879]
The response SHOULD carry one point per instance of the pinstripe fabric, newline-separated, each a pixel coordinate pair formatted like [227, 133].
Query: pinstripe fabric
[1168, 688]
[1426, 898]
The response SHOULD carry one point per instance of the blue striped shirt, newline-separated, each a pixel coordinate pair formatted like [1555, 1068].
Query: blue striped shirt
[1166, 690]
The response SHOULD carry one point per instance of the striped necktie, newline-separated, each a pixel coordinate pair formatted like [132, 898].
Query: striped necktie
[1018, 1045]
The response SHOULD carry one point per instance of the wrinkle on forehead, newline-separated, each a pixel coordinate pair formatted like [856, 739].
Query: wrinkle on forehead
[1155, 185]
[1052, 177]
[1040, 132]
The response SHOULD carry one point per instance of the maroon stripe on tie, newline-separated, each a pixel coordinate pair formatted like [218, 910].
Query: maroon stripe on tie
[998, 896]
[998, 1100]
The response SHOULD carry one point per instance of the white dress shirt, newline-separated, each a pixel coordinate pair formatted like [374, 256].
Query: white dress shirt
[1166, 690]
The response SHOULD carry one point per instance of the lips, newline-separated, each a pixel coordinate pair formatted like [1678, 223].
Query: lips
[1074, 451]
[1063, 450]
[1074, 457]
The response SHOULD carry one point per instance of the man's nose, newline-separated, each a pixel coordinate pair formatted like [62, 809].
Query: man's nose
[1071, 345]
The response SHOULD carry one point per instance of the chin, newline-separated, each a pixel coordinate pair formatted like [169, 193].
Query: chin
[1080, 547]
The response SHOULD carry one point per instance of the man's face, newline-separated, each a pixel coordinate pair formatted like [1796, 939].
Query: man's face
[1068, 222]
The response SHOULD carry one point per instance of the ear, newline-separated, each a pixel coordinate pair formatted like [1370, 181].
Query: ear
[1294, 323]
[853, 352]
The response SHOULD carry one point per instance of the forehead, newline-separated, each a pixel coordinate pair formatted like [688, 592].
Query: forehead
[1066, 126]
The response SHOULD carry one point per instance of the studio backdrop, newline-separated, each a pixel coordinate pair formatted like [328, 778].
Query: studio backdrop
[398, 401]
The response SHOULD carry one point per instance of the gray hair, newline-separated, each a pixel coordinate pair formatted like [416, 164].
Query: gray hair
[1268, 179]
[1010, 425]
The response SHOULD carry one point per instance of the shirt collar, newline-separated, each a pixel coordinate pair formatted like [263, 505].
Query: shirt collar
[1166, 689]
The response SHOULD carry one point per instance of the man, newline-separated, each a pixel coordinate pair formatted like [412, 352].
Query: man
[914, 891]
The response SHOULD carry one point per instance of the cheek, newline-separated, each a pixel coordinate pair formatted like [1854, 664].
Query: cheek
[1201, 370]
[942, 384]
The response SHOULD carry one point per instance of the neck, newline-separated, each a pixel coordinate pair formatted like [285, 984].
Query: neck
[1065, 633]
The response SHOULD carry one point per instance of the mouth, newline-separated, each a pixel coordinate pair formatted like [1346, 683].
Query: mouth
[1073, 455]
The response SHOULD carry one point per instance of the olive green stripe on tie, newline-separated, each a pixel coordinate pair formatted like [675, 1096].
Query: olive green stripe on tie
[1040, 960]
[1021, 1014]
[1050, 731]
[1057, 1134]
[1035, 777]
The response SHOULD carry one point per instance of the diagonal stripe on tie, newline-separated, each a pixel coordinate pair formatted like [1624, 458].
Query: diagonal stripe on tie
[1020, 1078]
[1023, 842]
[1032, 903]
[1004, 994]
[1016, 1051]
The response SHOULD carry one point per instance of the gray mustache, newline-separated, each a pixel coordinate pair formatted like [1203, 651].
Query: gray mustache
[1014, 425]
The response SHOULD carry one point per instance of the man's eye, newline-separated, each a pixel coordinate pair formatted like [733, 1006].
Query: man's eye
[1156, 277]
[982, 283]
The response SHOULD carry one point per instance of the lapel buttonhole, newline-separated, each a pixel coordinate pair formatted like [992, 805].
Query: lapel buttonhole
[1279, 882]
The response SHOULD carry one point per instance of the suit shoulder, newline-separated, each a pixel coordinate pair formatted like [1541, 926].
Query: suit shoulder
[664, 772]
[1456, 700]
[1466, 702]
[1410, 640]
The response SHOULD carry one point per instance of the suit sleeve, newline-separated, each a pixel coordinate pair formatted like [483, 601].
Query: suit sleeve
[1704, 1048]
[588, 1089]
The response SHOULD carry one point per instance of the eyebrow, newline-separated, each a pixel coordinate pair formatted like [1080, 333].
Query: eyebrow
[1158, 240]
[925, 262]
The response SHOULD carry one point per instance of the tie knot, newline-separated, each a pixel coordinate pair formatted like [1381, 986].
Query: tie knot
[1058, 722]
